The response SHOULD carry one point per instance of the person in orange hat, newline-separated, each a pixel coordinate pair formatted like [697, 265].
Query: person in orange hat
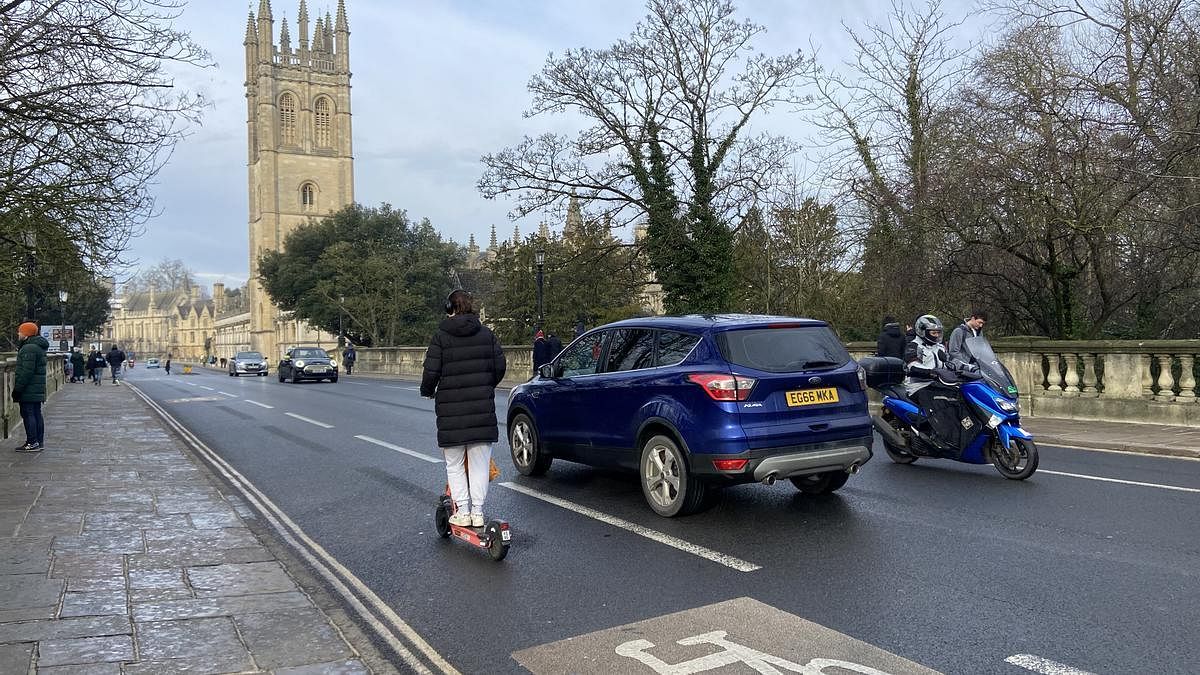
[29, 385]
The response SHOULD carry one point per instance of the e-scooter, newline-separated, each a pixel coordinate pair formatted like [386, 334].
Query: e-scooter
[494, 537]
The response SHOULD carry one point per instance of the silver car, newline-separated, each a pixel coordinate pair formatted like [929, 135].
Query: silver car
[247, 363]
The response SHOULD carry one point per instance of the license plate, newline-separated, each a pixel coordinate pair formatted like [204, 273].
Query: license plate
[505, 535]
[812, 397]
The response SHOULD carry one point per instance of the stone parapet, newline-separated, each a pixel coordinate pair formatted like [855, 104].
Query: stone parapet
[409, 362]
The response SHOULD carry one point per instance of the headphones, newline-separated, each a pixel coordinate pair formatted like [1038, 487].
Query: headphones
[449, 306]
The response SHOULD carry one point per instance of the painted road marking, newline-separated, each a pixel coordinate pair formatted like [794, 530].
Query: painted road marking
[405, 451]
[261, 405]
[654, 535]
[1118, 480]
[359, 384]
[194, 399]
[1044, 666]
[743, 633]
[204, 387]
[225, 393]
[302, 418]
[406, 642]
[392, 386]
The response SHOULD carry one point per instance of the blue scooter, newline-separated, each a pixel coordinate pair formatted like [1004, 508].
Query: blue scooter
[977, 420]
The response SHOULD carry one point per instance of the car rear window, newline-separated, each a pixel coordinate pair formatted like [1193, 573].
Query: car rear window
[783, 350]
[246, 356]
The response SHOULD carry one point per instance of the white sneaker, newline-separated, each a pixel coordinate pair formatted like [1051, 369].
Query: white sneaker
[476, 520]
[462, 519]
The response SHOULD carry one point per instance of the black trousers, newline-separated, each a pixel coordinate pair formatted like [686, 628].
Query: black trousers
[35, 426]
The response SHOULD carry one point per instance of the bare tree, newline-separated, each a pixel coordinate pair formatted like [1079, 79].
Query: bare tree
[669, 142]
[88, 116]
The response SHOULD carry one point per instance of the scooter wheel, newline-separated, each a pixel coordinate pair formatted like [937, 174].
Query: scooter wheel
[441, 517]
[497, 546]
[897, 455]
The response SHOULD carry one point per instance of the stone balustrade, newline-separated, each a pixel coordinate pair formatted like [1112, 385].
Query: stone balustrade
[1151, 381]
[56, 377]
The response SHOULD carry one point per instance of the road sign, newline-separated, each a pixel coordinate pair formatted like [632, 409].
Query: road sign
[735, 636]
[61, 338]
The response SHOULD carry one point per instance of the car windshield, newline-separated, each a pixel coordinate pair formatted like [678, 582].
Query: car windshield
[783, 349]
[981, 354]
[248, 356]
[309, 354]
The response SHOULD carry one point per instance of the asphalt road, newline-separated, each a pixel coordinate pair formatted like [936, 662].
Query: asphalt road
[947, 565]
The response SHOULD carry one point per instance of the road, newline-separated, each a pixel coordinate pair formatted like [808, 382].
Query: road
[947, 565]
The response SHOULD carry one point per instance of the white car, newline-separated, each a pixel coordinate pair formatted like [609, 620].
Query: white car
[151, 363]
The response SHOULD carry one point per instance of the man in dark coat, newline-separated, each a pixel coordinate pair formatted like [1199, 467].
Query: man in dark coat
[556, 346]
[78, 365]
[348, 358]
[29, 384]
[891, 340]
[463, 365]
[115, 358]
[541, 351]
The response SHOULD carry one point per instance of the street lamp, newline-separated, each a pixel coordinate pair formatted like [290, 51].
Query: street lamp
[62, 320]
[341, 319]
[540, 259]
[30, 239]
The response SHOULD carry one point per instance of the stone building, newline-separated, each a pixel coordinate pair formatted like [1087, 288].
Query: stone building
[300, 158]
[156, 323]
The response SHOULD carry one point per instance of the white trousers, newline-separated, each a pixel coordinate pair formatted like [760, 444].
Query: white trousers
[468, 492]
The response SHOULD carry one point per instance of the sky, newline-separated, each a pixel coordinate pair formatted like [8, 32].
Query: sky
[435, 85]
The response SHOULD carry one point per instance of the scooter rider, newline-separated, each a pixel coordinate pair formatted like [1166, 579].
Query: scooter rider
[923, 356]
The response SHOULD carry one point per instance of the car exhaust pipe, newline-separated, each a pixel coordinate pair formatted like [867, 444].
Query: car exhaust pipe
[888, 432]
[769, 479]
[853, 468]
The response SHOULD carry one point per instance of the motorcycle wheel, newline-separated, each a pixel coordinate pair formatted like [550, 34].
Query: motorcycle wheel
[897, 454]
[1018, 462]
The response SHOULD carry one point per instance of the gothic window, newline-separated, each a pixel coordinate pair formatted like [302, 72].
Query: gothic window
[287, 119]
[322, 121]
[308, 196]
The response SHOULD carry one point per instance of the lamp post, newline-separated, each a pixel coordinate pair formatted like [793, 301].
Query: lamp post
[30, 239]
[62, 318]
[540, 259]
[341, 319]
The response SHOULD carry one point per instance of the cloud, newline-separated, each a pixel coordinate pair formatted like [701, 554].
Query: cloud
[435, 86]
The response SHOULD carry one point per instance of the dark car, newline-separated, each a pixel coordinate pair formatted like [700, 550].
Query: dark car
[696, 403]
[307, 363]
[247, 363]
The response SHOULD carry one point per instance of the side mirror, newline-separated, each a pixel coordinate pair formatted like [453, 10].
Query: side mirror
[547, 371]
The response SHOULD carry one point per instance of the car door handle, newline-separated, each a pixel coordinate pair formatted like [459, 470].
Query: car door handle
[819, 427]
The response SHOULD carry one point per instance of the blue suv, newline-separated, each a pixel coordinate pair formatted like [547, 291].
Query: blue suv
[695, 403]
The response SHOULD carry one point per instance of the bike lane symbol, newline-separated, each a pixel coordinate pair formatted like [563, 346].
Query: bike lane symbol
[731, 653]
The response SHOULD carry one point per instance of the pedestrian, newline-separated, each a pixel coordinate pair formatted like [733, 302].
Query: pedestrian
[556, 346]
[349, 357]
[98, 365]
[891, 340]
[78, 365]
[29, 384]
[168, 365]
[223, 363]
[463, 365]
[69, 369]
[972, 326]
[580, 329]
[541, 351]
[115, 358]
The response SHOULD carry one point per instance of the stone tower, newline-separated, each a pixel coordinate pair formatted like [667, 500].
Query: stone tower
[300, 154]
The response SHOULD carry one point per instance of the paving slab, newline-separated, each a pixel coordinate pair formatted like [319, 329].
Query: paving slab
[95, 603]
[349, 667]
[82, 669]
[239, 579]
[219, 606]
[28, 596]
[292, 638]
[158, 640]
[61, 629]
[15, 658]
[113, 648]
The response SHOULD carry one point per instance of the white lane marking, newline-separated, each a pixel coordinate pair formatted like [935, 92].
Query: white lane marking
[302, 418]
[190, 384]
[208, 388]
[1044, 666]
[225, 393]
[325, 564]
[403, 451]
[359, 384]
[392, 386]
[1118, 480]
[261, 405]
[654, 535]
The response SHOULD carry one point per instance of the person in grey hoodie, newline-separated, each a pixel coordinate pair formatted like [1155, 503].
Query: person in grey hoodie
[29, 385]
[971, 326]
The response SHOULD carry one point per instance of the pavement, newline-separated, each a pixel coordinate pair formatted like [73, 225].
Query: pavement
[121, 554]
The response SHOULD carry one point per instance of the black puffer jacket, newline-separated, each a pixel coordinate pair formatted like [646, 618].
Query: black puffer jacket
[891, 341]
[463, 366]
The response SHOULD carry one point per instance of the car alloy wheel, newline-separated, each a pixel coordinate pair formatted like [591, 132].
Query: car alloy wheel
[667, 483]
[527, 455]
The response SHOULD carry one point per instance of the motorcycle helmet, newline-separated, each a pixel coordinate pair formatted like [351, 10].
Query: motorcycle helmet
[926, 325]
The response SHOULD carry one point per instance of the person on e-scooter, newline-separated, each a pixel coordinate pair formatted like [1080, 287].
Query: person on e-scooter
[463, 365]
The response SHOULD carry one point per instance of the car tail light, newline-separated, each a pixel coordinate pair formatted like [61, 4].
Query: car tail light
[723, 386]
[729, 464]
